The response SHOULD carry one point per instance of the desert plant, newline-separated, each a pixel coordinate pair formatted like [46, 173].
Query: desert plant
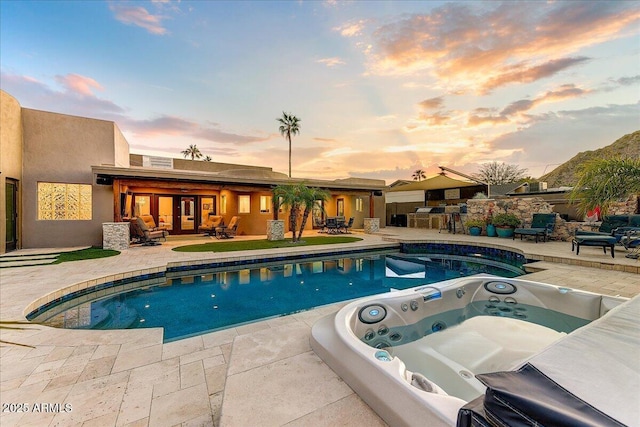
[474, 223]
[603, 181]
[506, 220]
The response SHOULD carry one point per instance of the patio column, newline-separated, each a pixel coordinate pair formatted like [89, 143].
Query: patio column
[115, 235]
[275, 229]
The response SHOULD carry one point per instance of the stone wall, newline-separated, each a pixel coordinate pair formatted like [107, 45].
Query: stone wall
[628, 207]
[371, 225]
[525, 207]
[115, 235]
[275, 229]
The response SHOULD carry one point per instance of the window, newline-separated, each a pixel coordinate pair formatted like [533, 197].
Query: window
[359, 204]
[58, 201]
[223, 204]
[244, 204]
[265, 204]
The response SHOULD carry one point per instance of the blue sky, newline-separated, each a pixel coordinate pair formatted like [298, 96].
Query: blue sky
[381, 88]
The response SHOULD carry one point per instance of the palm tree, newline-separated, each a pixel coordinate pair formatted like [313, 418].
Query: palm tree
[290, 197]
[192, 151]
[289, 125]
[604, 181]
[309, 197]
[207, 158]
[419, 175]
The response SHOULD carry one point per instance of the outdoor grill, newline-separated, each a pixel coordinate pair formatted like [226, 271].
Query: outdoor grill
[430, 210]
[427, 217]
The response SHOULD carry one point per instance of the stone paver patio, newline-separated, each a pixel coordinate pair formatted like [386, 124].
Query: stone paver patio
[260, 374]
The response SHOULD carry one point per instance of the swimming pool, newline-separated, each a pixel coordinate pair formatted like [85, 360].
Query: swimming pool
[196, 299]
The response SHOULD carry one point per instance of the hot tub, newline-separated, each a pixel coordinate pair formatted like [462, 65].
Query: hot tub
[413, 355]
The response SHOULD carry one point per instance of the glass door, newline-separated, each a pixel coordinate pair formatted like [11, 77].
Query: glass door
[165, 212]
[187, 216]
[11, 195]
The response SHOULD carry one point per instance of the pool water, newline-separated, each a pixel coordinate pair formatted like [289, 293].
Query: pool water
[187, 304]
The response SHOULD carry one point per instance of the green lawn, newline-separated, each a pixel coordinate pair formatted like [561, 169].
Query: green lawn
[244, 245]
[89, 253]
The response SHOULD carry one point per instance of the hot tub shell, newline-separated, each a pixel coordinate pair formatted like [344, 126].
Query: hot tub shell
[384, 383]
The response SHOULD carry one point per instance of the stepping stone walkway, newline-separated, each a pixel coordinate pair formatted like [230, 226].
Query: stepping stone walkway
[7, 261]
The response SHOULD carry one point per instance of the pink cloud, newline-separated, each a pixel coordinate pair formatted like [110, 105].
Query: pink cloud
[489, 45]
[435, 119]
[79, 84]
[138, 16]
[432, 103]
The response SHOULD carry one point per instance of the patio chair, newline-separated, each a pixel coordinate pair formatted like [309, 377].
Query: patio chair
[631, 242]
[141, 234]
[227, 231]
[613, 226]
[210, 225]
[346, 226]
[331, 225]
[542, 225]
[151, 223]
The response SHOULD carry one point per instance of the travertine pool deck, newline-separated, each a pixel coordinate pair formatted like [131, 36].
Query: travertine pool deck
[261, 374]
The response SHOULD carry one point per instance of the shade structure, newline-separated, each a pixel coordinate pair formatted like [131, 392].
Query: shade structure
[438, 182]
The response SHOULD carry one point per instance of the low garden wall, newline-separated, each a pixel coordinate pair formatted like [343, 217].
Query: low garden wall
[525, 207]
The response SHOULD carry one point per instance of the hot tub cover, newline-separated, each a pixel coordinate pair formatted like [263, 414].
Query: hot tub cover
[591, 377]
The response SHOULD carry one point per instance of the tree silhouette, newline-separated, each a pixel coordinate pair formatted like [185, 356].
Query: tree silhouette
[289, 125]
[419, 175]
[495, 173]
[192, 151]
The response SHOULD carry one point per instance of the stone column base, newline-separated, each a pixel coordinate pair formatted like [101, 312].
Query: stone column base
[275, 229]
[371, 225]
[115, 235]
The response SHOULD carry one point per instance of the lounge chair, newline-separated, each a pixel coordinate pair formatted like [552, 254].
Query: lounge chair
[227, 231]
[542, 225]
[614, 226]
[603, 241]
[151, 223]
[142, 234]
[210, 225]
[346, 226]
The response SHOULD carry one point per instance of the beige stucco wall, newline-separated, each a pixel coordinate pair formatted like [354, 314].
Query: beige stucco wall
[10, 156]
[121, 147]
[62, 148]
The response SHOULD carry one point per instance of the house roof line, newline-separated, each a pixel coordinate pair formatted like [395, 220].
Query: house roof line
[222, 178]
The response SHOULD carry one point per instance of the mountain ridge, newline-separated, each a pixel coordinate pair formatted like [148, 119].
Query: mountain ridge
[565, 174]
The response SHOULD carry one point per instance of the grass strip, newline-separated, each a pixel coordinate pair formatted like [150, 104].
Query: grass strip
[247, 245]
[82, 254]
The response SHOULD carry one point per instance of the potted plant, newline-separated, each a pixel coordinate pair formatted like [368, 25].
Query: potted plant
[474, 226]
[505, 224]
[488, 220]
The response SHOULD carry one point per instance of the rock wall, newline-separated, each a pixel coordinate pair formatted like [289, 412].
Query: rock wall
[525, 207]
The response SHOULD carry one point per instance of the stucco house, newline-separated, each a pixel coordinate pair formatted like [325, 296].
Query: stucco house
[63, 176]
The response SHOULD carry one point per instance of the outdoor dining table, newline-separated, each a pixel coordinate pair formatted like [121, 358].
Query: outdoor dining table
[334, 224]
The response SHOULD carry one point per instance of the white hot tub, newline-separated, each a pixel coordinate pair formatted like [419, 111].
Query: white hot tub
[412, 355]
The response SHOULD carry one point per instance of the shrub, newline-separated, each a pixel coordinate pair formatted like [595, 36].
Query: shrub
[506, 220]
[474, 223]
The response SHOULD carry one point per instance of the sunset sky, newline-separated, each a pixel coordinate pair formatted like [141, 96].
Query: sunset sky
[381, 88]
